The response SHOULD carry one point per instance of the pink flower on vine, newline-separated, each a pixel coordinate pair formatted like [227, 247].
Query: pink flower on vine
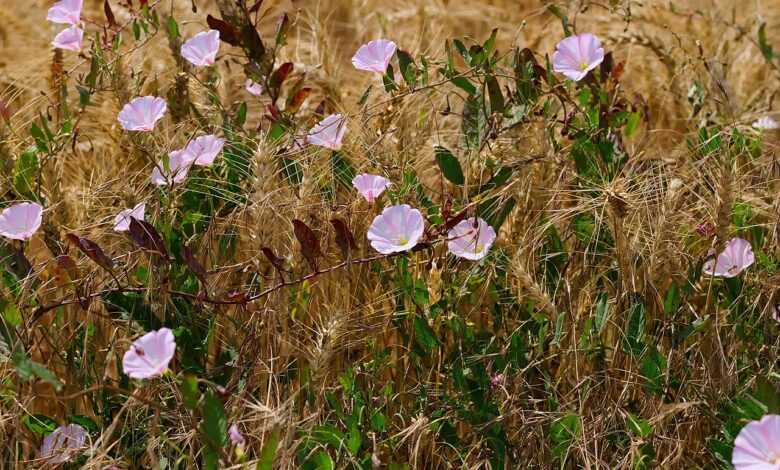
[757, 446]
[66, 12]
[735, 258]
[396, 229]
[179, 163]
[141, 114]
[122, 220]
[150, 354]
[471, 239]
[64, 443]
[203, 150]
[329, 132]
[69, 39]
[575, 56]
[21, 221]
[253, 88]
[370, 186]
[374, 56]
[201, 49]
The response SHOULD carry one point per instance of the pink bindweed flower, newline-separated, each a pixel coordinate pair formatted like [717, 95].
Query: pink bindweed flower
[203, 150]
[253, 88]
[329, 132]
[65, 11]
[396, 229]
[374, 56]
[150, 354]
[757, 447]
[21, 221]
[201, 49]
[497, 380]
[766, 123]
[471, 239]
[63, 444]
[141, 114]
[235, 435]
[370, 186]
[575, 56]
[69, 39]
[122, 220]
[735, 258]
[179, 162]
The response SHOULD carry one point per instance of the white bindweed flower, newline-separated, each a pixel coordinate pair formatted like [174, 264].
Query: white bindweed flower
[204, 149]
[141, 114]
[396, 229]
[370, 186]
[21, 221]
[201, 49]
[179, 163]
[66, 12]
[150, 354]
[253, 88]
[766, 123]
[735, 258]
[329, 132]
[122, 220]
[63, 444]
[69, 39]
[575, 56]
[374, 56]
[471, 239]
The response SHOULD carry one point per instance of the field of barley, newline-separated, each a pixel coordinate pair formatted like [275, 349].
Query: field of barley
[362, 234]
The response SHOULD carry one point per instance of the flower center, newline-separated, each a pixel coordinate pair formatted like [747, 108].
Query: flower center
[584, 66]
[773, 458]
[734, 270]
[403, 240]
[480, 247]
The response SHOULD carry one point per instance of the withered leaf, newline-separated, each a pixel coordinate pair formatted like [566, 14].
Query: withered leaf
[227, 32]
[280, 75]
[344, 238]
[281, 29]
[310, 245]
[276, 262]
[109, 14]
[146, 237]
[256, 6]
[295, 101]
[92, 250]
[193, 263]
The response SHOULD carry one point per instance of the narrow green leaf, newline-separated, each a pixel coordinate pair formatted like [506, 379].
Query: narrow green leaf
[268, 453]
[31, 370]
[449, 165]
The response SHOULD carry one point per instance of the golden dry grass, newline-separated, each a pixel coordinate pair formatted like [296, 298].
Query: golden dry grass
[342, 318]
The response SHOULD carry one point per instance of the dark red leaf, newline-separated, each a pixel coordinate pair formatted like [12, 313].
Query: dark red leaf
[273, 113]
[254, 45]
[227, 32]
[67, 264]
[454, 220]
[92, 250]
[320, 110]
[256, 6]
[295, 101]
[276, 262]
[310, 245]
[109, 14]
[344, 238]
[280, 75]
[193, 263]
[146, 237]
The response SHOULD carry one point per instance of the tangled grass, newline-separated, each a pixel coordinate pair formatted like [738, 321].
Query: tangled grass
[589, 338]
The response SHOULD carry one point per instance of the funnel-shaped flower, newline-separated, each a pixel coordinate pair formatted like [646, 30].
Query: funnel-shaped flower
[396, 229]
[63, 443]
[21, 221]
[757, 447]
[735, 258]
[122, 220]
[201, 49]
[236, 438]
[150, 354]
[577, 55]
[179, 162]
[254, 89]
[65, 11]
[374, 56]
[204, 149]
[141, 114]
[329, 132]
[766, 123]
[471, 239]
[69, 39]
[370, 186]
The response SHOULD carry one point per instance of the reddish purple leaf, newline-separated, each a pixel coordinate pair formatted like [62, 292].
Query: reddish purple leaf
[92, 250]
[344, 238]
[310, 245]
[227, 32]
[146, 237]
[193, 263]
[109, 14]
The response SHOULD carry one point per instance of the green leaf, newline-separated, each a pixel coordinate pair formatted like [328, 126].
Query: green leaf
[322, 461]
[25, 174]
[214, 425]
[240, 118]
[449, 165]
[464, 84]
[766, 48]
[41, 140]
[497, 104]
[12, 316]
[653, 368]
[189, 391]
[632, 123]
[635, 332]
[672, 300]
[85, 422]
[173, 28]
[343, 171]
[474, 123]
[563, 432]
[639, 427]
[424, 335]
[767, 394]
[31, 370]
[41, 425]
[602, 312]
[407, 67]
[268, 453]
[354, 440]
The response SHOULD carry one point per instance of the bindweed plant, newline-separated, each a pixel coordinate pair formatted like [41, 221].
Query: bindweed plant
[477, 261]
